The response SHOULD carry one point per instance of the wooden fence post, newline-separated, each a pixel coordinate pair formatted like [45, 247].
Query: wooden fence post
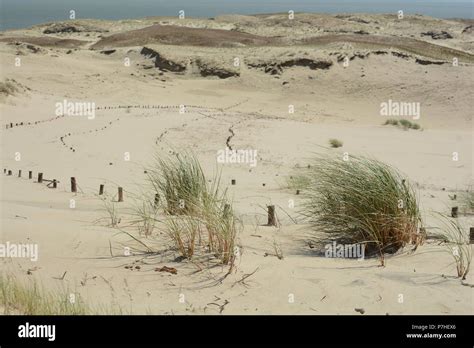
[271, 215]
[471, 235]
[454, 212]
[157, 200]
[30, 175]
[55, 183]
[40, 178]
[101, 189]
[233, 182]
[120, 194]
[19, 173]
[9, 173]
[73, 184]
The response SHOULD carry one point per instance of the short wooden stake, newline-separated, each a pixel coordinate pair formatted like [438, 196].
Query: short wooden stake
[297, 192]
[471, 235]
[30, 175]
[233, 182]
[73, 184]
[55, 183]
[120, 194]
[271, 215]
[40, 178]
[9, 172]
[19, 173]
[4, 171]
[454, 212]
[157, 200]
[101, 190]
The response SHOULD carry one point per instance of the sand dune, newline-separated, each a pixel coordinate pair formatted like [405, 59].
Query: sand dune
[174, 35]
[45, 41]
[163, 85]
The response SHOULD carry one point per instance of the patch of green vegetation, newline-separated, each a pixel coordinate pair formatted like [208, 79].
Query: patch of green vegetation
[31, 299]
[361, 200]
[335, 143]
[198, 213]
[403, 123]
[297, 181]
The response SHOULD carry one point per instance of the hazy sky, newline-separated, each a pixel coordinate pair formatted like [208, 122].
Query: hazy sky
[21, 13]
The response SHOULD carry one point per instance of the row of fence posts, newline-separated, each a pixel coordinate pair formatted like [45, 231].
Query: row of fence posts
[271, 221]
[54, 182]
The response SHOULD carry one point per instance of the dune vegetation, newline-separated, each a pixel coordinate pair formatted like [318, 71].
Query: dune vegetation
[362, 200]
[198, 215]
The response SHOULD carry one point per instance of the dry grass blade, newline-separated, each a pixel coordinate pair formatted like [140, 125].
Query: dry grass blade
[456, 241]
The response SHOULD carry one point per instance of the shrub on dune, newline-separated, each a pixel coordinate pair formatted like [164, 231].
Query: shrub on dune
[362, 200]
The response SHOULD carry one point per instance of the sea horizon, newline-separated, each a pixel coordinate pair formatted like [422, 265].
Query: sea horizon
[18, 14]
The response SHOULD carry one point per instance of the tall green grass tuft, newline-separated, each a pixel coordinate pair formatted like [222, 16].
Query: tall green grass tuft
[31, 299]
[362, 200]
[221, 226]
[198, 214]
[180, 181]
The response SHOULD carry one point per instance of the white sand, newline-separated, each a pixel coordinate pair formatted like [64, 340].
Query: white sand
[334, 103]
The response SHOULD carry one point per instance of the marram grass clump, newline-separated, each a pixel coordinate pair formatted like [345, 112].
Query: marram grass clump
[180, 182]
[362, 200]
[199, 217]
